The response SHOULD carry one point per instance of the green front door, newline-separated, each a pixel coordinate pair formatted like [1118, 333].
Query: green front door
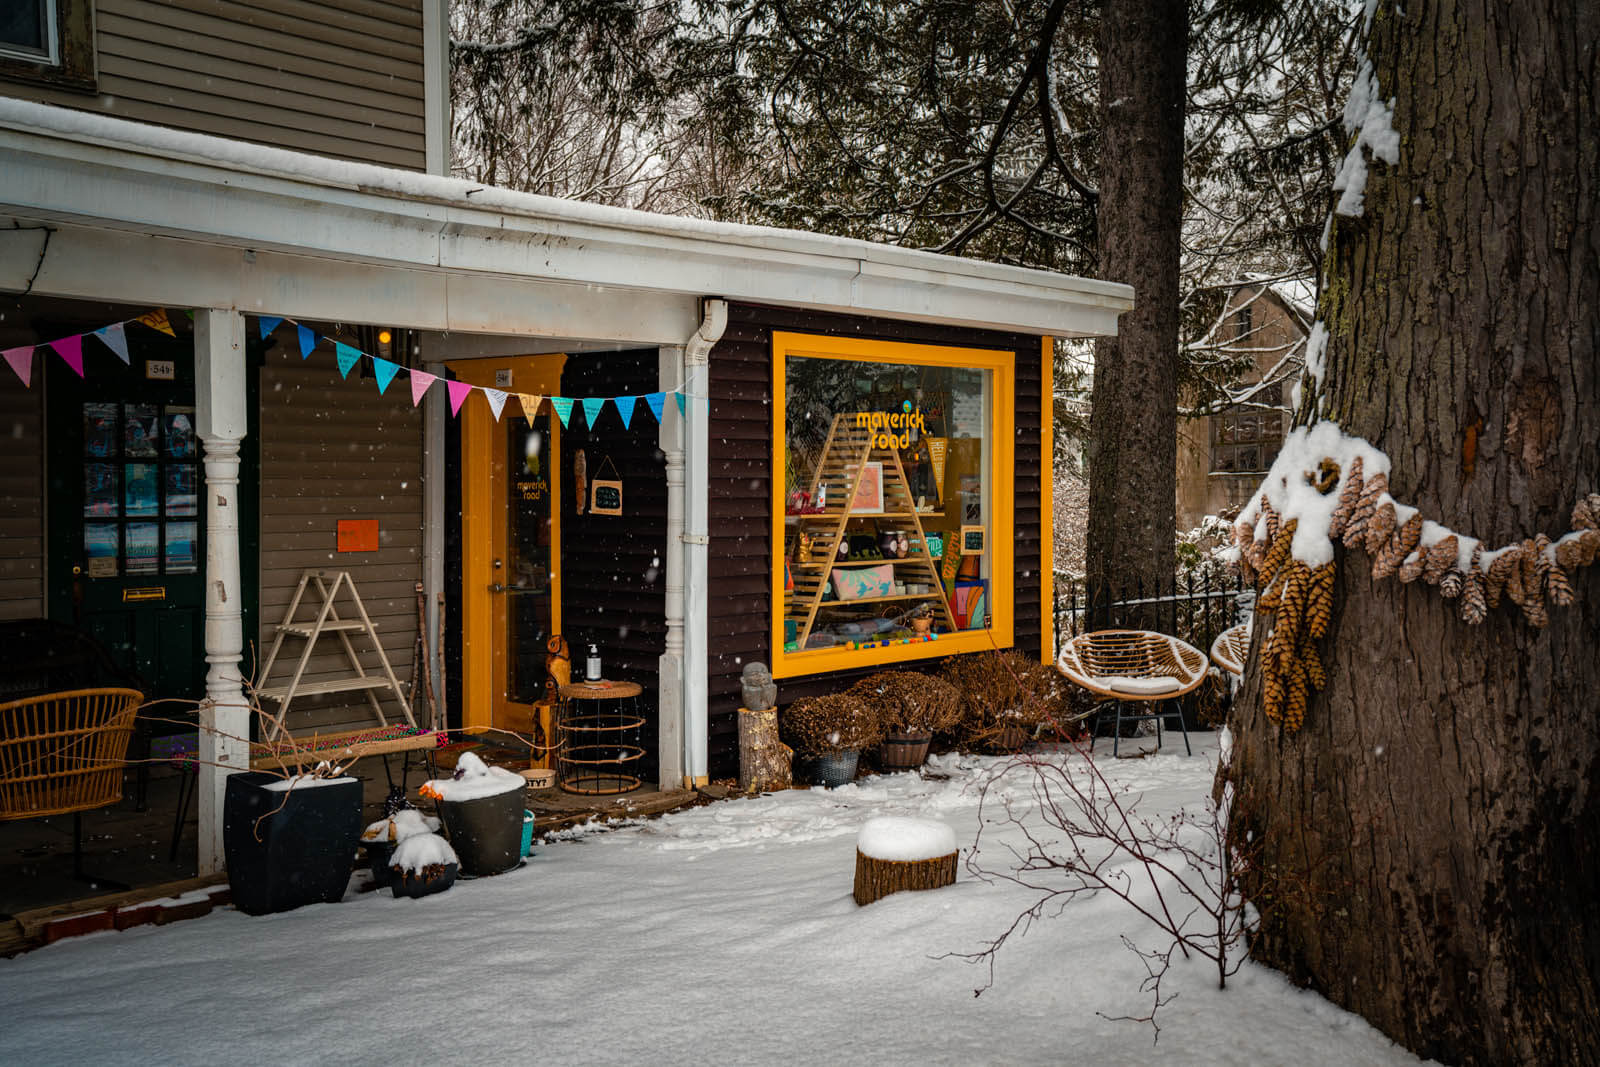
[127, 526]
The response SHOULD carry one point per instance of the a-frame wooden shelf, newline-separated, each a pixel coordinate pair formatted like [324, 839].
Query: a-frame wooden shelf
[328, 621]
[845, 455]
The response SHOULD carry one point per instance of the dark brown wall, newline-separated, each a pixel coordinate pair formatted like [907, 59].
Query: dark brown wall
[739, 570]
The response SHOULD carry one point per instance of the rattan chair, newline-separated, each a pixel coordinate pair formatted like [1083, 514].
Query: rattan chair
[1134, 667]
[65, 752]
[1230, 648]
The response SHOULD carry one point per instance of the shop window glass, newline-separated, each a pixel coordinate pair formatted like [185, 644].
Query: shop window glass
[893, 522]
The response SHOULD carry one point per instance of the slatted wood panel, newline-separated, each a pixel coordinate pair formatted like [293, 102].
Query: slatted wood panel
[613, 567]
[341, 78]
[739, 575]
[334, 449]
[21, 501]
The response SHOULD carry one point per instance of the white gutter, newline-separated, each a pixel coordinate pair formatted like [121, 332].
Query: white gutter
[696, 538]
[436, 85]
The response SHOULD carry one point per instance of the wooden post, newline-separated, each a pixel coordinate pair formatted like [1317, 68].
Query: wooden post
[765, 763]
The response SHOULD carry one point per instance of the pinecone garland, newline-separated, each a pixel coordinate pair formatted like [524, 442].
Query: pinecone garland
[1473, 608]
[1451, 585]
[1440, 558]
[1411, 568]
[1348, 496]
[1560, 587]
[1500, 572]
[1380, 528]
[1585, 513]
[1319, 606]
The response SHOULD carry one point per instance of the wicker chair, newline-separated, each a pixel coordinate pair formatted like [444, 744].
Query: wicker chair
[1134, 667]
[65, 752]
[1230, 648]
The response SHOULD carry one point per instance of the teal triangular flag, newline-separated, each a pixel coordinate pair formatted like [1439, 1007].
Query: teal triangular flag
[308, 341]
[347, 357]
[563, 406]
[655, 402]
[625, 408]
[384, 370]
[268, 324]
[591, 408]
[680, 402]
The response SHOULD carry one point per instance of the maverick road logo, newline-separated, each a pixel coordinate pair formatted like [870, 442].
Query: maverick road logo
[891, 430]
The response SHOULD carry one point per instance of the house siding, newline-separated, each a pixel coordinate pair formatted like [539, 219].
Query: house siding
[21, 507]
[340, 79]
[739, 569]
[332, 449]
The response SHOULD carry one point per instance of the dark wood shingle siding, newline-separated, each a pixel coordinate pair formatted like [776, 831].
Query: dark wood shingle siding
[22, 501]
[739, 575]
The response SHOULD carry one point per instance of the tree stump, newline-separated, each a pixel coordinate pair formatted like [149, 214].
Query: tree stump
[765, 763]
[895, 853]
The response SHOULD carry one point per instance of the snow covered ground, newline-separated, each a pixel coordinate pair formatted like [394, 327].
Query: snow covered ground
[725, 934]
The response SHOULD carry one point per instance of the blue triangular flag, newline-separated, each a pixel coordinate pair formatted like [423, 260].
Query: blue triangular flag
[680, 402]
[347, 357]
[655, 402]
[308, 341]
[591, 408]
[625, 408]
[268, 323]
[115, 338]
[384, 370]
[563, 408]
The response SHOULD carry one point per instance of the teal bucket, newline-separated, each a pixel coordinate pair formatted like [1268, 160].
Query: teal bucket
[527, 832]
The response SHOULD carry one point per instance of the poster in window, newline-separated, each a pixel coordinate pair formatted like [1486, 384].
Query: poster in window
[102, 497]
[180, 548]
[143, 552]
[100, 430]
[100, 547]
[869, 493]
[141, 487]
[141, 431]
[181, 498]
[177, 427]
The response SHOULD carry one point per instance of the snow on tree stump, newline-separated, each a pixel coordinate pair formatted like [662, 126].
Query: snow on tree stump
[894, 853]
[765, 763]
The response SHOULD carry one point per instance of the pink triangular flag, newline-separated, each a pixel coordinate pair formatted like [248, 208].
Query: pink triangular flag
[71, 350]
[420, 380]
[458, 393]
[21, 360]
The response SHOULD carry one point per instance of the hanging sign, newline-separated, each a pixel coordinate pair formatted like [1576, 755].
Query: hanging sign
[606, 494]
[358, 535]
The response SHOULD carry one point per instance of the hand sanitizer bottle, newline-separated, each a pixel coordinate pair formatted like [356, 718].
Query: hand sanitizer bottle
[591, 670]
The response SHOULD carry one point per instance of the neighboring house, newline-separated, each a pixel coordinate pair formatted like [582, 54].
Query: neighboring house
[270, 174]
[1222, 458]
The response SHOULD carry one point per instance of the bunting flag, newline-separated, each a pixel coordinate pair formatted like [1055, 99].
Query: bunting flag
[680, 404]
[348, 357]
[530, 404]
[115, 337]
[497, 401]
[268, 324]
[591, 408]
[625, 408]
[420, 380]
[70, 349]
[384, 370]
[157, 320]
[655, 402]
[308, 340]
[21, 360]
[563, 406]
[458, 393]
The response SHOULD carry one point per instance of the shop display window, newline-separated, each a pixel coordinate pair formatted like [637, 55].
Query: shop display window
[892, 502]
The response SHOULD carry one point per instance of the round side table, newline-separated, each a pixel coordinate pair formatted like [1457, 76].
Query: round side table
[598, 736]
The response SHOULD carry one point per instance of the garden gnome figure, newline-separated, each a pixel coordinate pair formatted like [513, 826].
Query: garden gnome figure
[760, 691]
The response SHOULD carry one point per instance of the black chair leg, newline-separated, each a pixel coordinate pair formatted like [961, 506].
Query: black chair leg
[188, 781]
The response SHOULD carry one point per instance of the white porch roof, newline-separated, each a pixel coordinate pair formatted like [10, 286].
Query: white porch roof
[147, 214]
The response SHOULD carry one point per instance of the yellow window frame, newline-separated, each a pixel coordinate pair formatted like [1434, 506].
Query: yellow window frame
[1002, 456]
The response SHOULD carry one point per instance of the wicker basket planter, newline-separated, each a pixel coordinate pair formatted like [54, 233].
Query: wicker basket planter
[834, 769]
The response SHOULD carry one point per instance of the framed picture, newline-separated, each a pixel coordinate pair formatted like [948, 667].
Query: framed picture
[972, 540]
[869, 494]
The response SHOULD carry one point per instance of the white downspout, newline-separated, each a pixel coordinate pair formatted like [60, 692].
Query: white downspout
[696, 539]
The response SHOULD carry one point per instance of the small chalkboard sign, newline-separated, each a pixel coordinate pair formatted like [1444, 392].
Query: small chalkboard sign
[972, 540]
[605, 498]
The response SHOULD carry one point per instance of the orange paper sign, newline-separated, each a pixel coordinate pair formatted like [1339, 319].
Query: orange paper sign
[358, 535]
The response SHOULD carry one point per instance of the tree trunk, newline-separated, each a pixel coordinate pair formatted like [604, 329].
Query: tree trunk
[1134, 421]
[1431, 836]
[765, 763]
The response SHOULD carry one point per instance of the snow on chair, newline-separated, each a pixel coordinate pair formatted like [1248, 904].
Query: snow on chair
[1134, 666]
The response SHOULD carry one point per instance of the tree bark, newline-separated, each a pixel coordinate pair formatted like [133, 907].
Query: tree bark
[1133, 424]
[765, 763]
[1431, 836]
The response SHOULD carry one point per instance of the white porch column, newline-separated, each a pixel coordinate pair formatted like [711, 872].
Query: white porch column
[670, 746]
[220, 410]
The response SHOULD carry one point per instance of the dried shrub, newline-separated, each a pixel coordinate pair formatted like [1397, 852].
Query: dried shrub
[906, 701]
[1005, 699]
[827, 725]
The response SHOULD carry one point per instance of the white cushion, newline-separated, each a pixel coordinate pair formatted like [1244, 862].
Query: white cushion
[1144, 685]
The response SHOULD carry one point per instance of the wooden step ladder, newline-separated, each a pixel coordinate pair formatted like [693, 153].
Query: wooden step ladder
[328, 620]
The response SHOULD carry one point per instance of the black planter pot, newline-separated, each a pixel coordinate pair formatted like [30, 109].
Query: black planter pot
[486, 832]
[378, 853]
[416, 884]
[301, 853]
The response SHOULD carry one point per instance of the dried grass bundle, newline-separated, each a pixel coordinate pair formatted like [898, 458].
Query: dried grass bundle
[907, 701]
[830, 724]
